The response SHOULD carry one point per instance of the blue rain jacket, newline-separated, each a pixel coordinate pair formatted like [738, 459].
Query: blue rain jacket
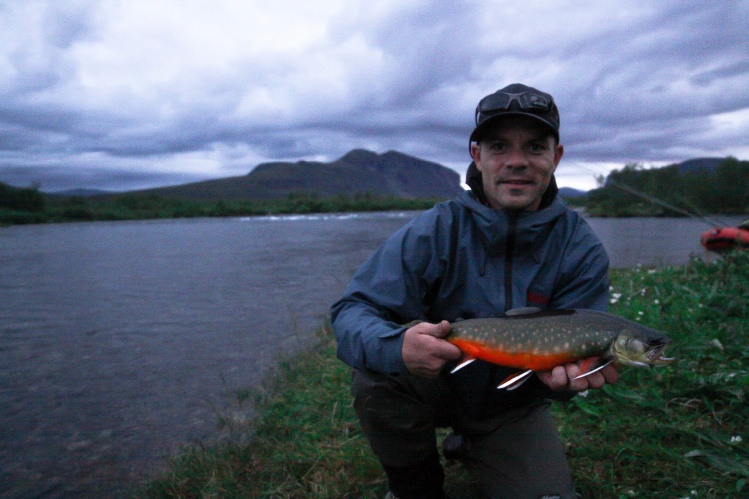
[462, 260]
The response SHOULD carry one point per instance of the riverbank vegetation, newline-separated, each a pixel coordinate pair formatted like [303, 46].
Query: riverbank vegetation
[673, 432]
[27, 206]
[666, 192]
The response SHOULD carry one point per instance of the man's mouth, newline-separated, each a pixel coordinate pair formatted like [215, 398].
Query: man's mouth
[515, 181]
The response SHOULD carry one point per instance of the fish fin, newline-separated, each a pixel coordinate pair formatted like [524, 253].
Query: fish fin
[585, 368]
[515, 380]
[464, 361]
[522, 311]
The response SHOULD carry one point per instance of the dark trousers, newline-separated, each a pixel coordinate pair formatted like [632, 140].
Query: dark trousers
[519, 452]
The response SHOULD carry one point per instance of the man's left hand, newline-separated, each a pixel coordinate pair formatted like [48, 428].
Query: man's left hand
[560, 378]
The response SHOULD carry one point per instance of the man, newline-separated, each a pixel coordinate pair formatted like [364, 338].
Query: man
[508, 243]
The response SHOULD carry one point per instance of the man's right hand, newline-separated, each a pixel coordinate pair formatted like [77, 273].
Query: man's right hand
[425, 351]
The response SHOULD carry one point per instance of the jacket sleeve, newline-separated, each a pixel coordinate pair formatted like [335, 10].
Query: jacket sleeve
[386, 292]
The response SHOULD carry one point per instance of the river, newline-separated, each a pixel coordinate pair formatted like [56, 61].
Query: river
[121, 342]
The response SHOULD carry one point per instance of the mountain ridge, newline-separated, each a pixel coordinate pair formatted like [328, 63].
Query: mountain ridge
[358, 172]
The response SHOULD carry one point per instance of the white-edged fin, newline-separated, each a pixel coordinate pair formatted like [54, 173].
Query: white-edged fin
[462, 365]
[522, 311]
[514, 381]
[594, 370]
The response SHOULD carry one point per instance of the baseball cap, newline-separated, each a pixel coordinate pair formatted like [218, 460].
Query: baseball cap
[516, 99]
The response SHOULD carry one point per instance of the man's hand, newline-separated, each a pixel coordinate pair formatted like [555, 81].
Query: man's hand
[425, 352]
[561, 379]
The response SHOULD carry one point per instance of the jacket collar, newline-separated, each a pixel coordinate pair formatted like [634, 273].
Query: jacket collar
[494, 225]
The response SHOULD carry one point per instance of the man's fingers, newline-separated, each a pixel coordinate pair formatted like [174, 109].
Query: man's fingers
[425, 352]
[437, 330]
[562, 378]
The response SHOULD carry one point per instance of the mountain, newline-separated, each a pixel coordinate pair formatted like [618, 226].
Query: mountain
[357, 172]
[569, 192]
[697, 164]
[80, 193]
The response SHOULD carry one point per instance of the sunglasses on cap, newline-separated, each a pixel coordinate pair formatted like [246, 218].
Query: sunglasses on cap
[499, 102]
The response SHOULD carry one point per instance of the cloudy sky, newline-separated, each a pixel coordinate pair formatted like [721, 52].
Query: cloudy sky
[126, 94]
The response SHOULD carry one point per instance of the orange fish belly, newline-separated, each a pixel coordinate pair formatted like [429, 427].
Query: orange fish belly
[521, 360]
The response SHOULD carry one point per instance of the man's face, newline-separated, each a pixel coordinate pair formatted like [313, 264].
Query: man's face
[516, 158]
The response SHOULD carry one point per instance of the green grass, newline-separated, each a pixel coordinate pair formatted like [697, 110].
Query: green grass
[673, 432]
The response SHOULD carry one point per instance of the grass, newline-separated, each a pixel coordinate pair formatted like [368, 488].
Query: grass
[674, 432]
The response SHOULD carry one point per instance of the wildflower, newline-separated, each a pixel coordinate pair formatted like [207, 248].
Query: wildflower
[736, 439]
[652, 271]
[656, 301]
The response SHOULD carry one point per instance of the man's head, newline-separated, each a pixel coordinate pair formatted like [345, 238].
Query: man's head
[516, 99]
[516, 146]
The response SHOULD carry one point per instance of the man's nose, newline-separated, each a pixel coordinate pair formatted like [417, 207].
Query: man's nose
[517, 158]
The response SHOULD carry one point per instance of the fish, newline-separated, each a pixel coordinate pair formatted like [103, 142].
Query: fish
[533, 340]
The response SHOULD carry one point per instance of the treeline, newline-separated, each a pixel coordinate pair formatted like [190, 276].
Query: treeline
[15, 199]
[659, 192]
[39, 208]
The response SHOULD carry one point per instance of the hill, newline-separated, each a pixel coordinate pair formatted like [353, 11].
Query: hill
[698, 186]
[357, 172]
[698, 165]
[569, 192]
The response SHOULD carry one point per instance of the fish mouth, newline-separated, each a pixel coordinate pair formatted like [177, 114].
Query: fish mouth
[656, 358]
[634, 351]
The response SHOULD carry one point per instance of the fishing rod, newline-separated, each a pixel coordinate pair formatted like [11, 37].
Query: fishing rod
[655, 200]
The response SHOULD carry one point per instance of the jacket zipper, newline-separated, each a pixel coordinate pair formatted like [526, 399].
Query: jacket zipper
[511, 230]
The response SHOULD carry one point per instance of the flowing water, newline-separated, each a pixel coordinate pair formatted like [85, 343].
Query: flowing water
[120, 341]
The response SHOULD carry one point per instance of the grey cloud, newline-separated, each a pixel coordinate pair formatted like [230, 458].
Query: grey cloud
[634, 82]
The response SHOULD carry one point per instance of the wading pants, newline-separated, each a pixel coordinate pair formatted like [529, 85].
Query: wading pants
[519, 453]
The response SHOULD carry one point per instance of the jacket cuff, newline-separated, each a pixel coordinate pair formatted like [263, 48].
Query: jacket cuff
[389, 357]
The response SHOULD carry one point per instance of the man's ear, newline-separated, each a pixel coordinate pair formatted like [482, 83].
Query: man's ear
[558, 153]
[476, 154]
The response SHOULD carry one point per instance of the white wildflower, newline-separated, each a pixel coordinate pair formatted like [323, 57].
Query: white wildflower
[656, 301]
[736, 439]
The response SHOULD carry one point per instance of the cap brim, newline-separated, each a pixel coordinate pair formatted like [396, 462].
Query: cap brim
[481, 129]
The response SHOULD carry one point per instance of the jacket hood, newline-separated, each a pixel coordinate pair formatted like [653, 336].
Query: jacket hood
[493, 224]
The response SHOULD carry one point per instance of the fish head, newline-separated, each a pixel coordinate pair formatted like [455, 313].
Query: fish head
[641, 346]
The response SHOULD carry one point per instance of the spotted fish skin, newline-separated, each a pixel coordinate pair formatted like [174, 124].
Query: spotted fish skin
[542, 340]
